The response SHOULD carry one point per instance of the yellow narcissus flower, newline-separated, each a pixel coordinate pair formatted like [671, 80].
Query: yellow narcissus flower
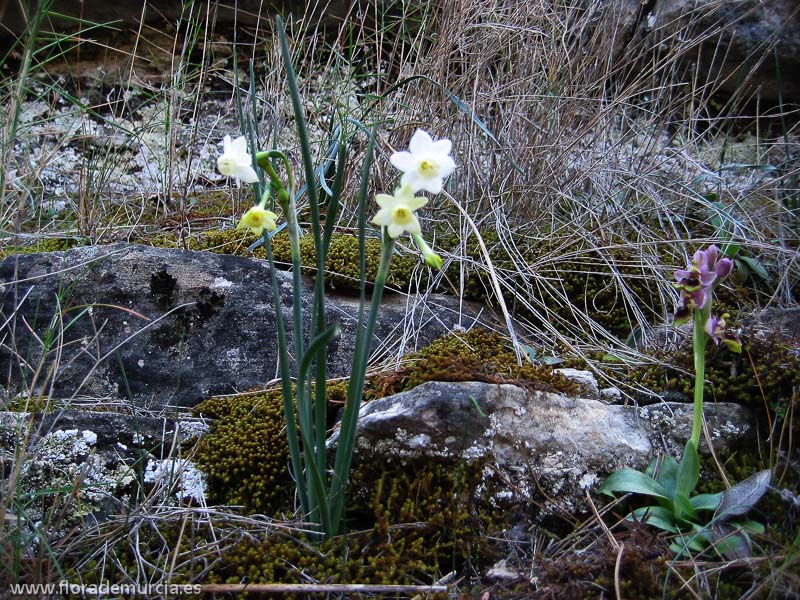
[257, 219]
[397, 212]
[426, 164]
[235, 160]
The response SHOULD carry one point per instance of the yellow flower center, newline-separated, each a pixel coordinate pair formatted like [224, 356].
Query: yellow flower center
[428, 168]
[254, 219]
[224, 165]
[402, 215]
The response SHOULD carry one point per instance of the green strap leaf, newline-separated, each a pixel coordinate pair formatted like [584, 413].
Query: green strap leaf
[688, 470]
[706, 501]
[656, 516]
[633, 482]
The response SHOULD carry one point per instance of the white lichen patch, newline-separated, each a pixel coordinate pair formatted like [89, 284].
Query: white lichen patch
[182, 477]
[65, 445]
[588, 481]
[192, 429]
[63, 470]
[221, 282]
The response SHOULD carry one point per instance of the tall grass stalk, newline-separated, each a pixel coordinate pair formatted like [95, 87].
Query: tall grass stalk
[16, 94]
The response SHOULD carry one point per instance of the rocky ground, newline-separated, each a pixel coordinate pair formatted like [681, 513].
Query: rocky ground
[137, 376]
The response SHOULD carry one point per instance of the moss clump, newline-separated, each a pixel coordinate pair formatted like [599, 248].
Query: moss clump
[341, 268]
[411, 523]
[245, 454]
[31, 404]
[763, 374]
[44, 245]
[342, 264]
[415, 522]
[477, 355]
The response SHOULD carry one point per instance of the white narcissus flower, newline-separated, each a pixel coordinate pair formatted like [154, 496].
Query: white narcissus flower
[397, 212]
[426, 164]
[257, 219]
[235, 160]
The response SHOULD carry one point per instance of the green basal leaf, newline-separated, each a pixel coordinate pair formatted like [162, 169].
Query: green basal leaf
[706, 501]
[730, 250]
[731, 541]
[551, 360]
[684, 511]
[634, 482]
[755, 266]
[668, 473]
[688, 471]
[696, 543]
[752, 527]
[655, 516]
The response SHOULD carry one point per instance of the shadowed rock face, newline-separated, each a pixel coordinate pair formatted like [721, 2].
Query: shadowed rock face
[747, 44]
[161, 327]
[121, 14]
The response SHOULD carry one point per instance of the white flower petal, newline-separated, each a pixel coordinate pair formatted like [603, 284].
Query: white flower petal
[442, 147]
[383, 218]
[420, 142]
[403, 161]
[417, 202]
[432, 185]
[446, 166]
[239, 145]
[247, 174]
[394, 230]
[384, 200]
[412, 179]
[413, 227]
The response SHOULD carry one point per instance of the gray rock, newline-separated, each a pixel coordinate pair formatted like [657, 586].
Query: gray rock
[160, 327]
[585, 379]
[546, 447]
[781, 324]
[611, 395]
[731, 46]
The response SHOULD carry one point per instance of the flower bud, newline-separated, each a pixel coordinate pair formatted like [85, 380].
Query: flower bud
[432, 259]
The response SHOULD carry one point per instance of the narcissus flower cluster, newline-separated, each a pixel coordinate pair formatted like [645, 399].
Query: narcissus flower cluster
[425, 166]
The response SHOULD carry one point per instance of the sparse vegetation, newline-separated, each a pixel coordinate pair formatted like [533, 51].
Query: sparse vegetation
[591, 161]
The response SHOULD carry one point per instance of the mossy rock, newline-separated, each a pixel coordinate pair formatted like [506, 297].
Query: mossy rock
[476, 355]
[55, 244]
[341, 267]
[764, 374]
[410, 524]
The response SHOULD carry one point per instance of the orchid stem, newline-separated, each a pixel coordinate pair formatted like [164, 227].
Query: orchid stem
[699, 342]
